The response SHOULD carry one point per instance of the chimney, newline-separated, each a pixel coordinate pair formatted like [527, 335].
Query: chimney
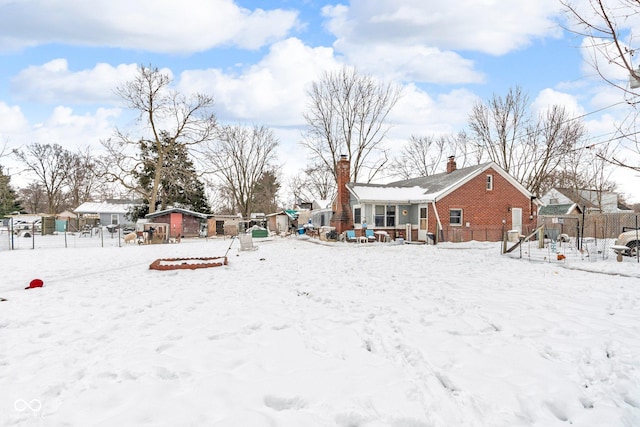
[451, 164]
[342, 219]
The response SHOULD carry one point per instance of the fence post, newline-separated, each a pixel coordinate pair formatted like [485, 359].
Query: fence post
[637, 249]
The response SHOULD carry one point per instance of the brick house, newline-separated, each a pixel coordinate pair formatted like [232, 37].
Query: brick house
[474, 203]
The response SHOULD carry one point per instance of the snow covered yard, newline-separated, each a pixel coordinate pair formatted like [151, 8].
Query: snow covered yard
[304, 334]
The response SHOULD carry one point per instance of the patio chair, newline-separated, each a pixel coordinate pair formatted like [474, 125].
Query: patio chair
[246, 242]
[350, 236]
[369, 235]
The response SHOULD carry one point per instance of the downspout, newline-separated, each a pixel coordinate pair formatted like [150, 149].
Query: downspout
[435, 210]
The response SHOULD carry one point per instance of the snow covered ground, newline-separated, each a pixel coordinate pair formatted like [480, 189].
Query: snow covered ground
[298, 333]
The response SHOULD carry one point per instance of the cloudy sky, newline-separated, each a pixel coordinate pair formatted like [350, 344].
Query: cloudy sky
[60, 61]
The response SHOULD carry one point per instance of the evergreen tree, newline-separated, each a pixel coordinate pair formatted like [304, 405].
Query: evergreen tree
[180, 185]
[8, 199]
[265, 193]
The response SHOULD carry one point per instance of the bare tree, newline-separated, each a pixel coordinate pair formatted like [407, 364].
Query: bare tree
[239, 157]
[168, 116]
[425, 155]
[583, 168]
[608, 30]
[51, 164]
[82, 181]
[347, 115]
[527, 149]
[33, 197]
[315, 182]
[606, 26]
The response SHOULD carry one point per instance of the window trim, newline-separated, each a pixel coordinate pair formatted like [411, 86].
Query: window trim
[453, 224]
[353, 212]
[385, 216]
[489, 182]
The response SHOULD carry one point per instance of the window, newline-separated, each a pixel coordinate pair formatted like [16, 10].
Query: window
[455, 216]
[385, 215]
[114, 219]
[357, 215]
[391, 216]
[379, 215]
[489, 182]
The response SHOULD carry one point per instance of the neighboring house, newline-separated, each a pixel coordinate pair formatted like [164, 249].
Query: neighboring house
[584, 212]
[581, 199]
[109, 212]
[321, 213]
[474, 203]
[560, 209]
[182, 222]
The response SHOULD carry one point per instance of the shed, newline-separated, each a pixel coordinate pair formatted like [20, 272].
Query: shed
[223, 225]
[182, 222]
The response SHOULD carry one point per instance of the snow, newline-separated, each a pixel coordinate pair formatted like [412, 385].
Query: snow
[404, 195]
[299, 333]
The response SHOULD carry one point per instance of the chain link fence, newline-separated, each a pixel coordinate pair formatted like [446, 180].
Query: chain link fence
[17, 238]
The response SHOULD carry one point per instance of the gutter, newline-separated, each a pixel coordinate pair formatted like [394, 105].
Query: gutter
[435, 210]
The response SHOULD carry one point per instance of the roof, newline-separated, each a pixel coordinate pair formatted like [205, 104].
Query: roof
[290, 213]
[425, 189]
[103, 207]
[576, 197]
[178, 210]
[564, 209]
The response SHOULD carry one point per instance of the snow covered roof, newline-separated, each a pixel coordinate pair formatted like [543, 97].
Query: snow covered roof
[103, 207]
[389, 194]
[424, 189]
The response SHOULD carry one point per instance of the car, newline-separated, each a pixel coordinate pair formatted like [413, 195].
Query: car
[630, 237]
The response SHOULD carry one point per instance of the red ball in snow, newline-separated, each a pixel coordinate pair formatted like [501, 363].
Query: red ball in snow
[35, 283]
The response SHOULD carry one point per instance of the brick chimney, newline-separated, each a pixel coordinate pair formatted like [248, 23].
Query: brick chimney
[342, 219]
[451, 164]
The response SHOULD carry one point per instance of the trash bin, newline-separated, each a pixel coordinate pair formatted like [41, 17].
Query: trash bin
[513, 235]
[431, 238]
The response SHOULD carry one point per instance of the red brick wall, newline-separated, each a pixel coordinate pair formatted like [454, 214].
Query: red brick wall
[342, 218]
[483, 209]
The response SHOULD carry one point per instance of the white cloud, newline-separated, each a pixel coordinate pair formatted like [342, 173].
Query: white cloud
[64, 127]
[12, 122]
[413, 63]
[496, 27]
[152, 25]
[549, 97]
[271, 91]
[418, 113]
[53, 82]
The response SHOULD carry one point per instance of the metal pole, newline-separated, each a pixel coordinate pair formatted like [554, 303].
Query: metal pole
[11, 235]
[584, 208]
[637, 248]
